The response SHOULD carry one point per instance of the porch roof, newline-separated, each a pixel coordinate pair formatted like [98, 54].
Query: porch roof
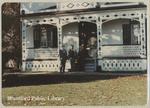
[78, 11]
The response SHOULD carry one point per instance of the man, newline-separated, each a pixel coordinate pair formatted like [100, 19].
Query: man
[72, 57]
[63, 58]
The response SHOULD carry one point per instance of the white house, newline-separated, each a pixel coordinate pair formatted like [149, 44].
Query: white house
[113, 33]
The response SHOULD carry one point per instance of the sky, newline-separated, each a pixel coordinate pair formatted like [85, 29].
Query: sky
[35, 7]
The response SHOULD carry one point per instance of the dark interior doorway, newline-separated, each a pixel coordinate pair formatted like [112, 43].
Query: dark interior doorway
[87, 46]
[88, 37]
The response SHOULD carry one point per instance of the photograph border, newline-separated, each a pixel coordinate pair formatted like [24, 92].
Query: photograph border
[148, 48]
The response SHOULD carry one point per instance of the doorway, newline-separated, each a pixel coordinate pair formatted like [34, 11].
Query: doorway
[83, 36]
[87, 46]
[88, 38]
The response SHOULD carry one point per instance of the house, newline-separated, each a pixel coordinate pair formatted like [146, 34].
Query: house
[114, 35]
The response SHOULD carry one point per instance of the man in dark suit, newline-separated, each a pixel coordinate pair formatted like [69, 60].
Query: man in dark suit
[63, 58]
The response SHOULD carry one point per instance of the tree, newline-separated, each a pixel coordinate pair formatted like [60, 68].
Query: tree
[11, 39]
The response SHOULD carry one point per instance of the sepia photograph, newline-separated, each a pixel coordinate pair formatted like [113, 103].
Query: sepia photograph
[74, 53]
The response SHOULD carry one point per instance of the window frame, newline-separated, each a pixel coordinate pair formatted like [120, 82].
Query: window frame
[131, 27]
[50, 41]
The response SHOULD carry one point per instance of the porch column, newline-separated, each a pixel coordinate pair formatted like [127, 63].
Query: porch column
[99, 37]
[60, 38]
[24, 50]
[143, 35]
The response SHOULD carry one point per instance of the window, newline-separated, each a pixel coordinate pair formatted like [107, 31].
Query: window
[135, 33]
[45, 36]
[121, 32]
[130, 33]
[44, 41]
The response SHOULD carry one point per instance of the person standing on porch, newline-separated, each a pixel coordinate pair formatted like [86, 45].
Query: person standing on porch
[72, 56]
[63, 59]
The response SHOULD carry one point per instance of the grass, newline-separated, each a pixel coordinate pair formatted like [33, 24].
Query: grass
[81, 90]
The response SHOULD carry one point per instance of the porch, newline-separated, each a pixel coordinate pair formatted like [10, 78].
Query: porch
[119, 39]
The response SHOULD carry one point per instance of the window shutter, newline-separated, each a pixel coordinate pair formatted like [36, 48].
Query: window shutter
[49, 37]
[37, 37]
[52, 37]
[55, 37]
[126, 34]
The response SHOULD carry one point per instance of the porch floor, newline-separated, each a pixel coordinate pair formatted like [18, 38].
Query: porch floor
[76, 73]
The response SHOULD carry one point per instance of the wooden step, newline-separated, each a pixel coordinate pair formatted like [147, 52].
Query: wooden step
[90, 65]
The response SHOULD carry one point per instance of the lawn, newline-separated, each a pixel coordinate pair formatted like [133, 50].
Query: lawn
[57, 90]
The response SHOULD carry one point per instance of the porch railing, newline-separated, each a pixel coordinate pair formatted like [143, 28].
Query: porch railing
[42, 53]
[121, 51]
[46, 44]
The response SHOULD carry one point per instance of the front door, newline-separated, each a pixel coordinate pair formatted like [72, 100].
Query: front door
[88, 43]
